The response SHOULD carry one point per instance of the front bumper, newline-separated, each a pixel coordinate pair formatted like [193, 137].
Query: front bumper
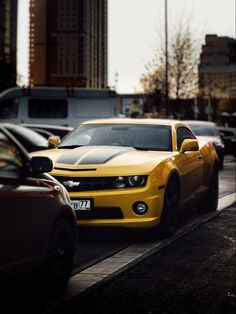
[115, 208]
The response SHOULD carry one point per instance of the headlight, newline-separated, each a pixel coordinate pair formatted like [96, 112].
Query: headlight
[130, 181]
[218, 144]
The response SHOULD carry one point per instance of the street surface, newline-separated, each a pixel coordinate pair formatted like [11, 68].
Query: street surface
[191, 272]
[195, 274]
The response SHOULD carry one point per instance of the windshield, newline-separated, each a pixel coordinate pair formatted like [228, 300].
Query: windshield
[203, 130]
[147, 137]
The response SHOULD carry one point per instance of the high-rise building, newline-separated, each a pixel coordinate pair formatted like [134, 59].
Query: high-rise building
[217, 68]
[8, 22]
[68, 43]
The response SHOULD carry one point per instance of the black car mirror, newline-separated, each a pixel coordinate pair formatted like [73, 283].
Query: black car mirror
[222, 136]
[41, 164]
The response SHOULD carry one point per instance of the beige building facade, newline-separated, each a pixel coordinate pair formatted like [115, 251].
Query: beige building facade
[217, 68]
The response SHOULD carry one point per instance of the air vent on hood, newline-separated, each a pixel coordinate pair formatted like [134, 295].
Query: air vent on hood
[69, 169]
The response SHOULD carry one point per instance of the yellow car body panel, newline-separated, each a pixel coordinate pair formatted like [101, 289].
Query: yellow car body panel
[192, 168]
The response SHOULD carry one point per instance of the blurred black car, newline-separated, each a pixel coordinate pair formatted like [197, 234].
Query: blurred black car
[47, 130]
[229, 137]
[37, 223]
[29, 139]
[207, 130]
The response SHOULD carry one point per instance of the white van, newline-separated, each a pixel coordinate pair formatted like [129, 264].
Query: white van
[57, 105]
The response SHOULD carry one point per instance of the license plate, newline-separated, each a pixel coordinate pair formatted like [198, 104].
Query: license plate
[81, 204]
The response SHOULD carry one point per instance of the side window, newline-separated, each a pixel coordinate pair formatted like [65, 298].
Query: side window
[183, 134]
[8, 108]
[10, 158]
[47, 108]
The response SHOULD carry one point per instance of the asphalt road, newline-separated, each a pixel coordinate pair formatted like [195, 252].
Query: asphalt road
[195, 274]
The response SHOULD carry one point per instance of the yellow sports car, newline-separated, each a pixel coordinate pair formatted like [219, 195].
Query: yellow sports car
[135, 172]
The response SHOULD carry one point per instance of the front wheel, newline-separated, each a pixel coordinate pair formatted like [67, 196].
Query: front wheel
[213, 192]
[60, 256]
[210, 202]
[168, 223]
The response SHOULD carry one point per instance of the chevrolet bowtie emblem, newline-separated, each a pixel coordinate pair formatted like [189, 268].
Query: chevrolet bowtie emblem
[70, 184]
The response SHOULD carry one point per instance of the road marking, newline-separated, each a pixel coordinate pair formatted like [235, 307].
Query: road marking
[92, 277]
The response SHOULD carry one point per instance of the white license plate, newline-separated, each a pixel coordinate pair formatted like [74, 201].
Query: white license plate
[81, 204]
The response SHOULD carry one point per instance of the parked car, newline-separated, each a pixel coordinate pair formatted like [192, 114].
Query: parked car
[207, 130]
[31, 140]
[37, 223]
[47, 130]
[229, 137]
[135, 172]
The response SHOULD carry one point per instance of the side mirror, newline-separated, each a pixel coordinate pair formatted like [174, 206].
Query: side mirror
[189, 145]
[53, 141]
[41, 164]
[222, 136]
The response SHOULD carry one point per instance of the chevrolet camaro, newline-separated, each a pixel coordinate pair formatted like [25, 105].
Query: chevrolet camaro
[135, 172]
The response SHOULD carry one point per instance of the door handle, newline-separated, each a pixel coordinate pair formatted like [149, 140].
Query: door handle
[199, 157]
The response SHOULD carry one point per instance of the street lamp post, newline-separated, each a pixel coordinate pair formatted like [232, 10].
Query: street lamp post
[166, 59]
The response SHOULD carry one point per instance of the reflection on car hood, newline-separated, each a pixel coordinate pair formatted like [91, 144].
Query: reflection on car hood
[109, 155]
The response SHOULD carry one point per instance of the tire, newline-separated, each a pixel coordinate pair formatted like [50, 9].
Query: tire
[60, 256]
[210, 202]
[221, 163]
[169, 217]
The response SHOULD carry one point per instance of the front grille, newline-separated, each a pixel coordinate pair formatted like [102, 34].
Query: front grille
[87, 184]
[100, 213]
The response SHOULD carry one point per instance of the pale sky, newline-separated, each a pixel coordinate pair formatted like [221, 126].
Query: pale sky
[134, 27]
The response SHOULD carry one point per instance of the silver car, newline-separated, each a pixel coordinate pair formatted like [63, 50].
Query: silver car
[208, 130]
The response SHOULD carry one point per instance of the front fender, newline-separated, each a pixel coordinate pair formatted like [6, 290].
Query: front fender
[165, 170]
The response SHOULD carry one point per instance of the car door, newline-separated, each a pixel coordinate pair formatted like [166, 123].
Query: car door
[20, 211]
[191, 168]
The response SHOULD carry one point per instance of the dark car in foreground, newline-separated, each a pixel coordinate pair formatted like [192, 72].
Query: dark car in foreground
[37, 223]
[207, 130]
[29, 139]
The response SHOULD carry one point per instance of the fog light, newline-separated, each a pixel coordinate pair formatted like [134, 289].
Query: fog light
[140, 208]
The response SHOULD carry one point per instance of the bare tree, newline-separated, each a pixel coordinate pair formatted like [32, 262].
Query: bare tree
[182, 66]
[183, 62]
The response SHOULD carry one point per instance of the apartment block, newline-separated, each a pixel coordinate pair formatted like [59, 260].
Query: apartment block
[8, 38]
[68, 43]
[217, 68]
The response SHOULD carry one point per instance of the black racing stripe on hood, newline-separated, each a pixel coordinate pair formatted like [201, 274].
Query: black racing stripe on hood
[86, 155]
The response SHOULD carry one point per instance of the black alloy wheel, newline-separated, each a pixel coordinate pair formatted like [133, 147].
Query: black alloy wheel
[61, 253]
[169, 215]
[210, 201]
[213, 192]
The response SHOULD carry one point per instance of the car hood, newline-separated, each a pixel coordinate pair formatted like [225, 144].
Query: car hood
[103, 156]
[212, 139]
